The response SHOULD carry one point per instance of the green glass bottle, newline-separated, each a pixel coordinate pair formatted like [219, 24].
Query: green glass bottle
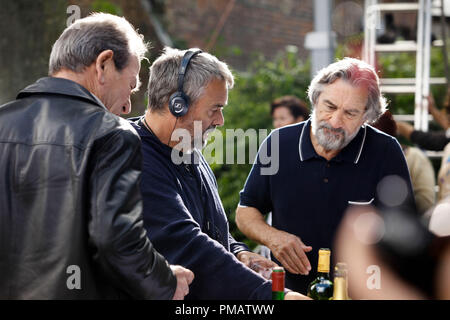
[321, 288]
[278, 283]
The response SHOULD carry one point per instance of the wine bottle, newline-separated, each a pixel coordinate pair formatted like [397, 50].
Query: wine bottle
[278, 283]
[321, 288]
[340, 284]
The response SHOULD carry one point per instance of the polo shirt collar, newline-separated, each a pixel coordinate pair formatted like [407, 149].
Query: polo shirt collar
[306, 149]
[351, 153]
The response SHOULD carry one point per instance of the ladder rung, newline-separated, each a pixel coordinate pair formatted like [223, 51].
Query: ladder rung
[397, 81]
[396, 7]
[398, 89]
[408, 117]
[397, 47]
[409, 81]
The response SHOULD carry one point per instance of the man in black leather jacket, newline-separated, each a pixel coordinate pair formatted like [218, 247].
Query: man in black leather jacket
[70, 205]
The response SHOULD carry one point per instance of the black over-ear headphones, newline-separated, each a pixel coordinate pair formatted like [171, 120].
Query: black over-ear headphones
[179, 101]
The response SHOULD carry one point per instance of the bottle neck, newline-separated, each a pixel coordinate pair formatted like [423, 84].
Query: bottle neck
[323, 265]
[340, 289]
[278, 285]
[321, 274]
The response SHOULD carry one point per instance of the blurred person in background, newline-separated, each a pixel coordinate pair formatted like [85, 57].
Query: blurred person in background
[288, 110]
[431, 140]
[440, 216]
[419, 166]
[444, 174]
[441, 116]
[393, 256]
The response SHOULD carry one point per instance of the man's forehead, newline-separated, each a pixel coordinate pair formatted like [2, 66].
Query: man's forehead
[216, 92]
[344, 93]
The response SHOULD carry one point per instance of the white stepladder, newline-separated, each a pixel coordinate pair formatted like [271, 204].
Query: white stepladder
[420, 84]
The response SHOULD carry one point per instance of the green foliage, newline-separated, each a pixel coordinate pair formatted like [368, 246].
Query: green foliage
[249, 108]
[106, 7]
[221, 48]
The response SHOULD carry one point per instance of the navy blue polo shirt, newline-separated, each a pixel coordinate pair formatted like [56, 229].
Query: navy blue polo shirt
[308, 195]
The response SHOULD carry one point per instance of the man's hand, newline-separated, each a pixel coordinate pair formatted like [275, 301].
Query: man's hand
[292, 295]
[439, 115]
[290, 251]
[184, 279]
[257, 263]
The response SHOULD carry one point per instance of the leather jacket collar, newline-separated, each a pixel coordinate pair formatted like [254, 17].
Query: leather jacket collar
[60, 86]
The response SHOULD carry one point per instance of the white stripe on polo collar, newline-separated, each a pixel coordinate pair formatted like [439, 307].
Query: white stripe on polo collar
[360, 149]
[300, 142]
[362, 145]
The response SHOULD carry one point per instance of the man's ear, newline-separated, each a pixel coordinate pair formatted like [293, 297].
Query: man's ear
[103, 65]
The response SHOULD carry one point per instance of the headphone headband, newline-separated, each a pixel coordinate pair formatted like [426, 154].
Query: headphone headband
[183, 67]
[179, 101]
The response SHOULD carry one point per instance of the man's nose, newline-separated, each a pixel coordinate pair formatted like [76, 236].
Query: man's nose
[336, 120]
[220, 120]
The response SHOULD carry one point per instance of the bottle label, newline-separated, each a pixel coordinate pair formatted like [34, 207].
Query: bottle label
[324, 261]
[340, 289]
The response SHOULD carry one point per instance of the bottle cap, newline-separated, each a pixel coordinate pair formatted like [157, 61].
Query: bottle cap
[340, 270]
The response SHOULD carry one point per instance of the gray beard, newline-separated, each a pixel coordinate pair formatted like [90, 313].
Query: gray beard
[200, 142]
[328, 137]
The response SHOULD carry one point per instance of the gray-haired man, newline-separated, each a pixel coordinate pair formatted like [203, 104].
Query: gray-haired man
[332, 160]
[182, 208]
[70, 206]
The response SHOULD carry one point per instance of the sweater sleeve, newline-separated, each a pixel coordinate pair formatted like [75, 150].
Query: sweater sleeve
[236, 246]
[179, 237]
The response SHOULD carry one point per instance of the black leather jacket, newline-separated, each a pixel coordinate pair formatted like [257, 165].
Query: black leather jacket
[70, 207]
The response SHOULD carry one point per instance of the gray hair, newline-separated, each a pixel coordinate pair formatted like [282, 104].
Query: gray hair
[357, 73]
[81, 43]
[202, 69]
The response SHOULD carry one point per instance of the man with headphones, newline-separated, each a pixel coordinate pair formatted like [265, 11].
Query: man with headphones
[187, 91]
